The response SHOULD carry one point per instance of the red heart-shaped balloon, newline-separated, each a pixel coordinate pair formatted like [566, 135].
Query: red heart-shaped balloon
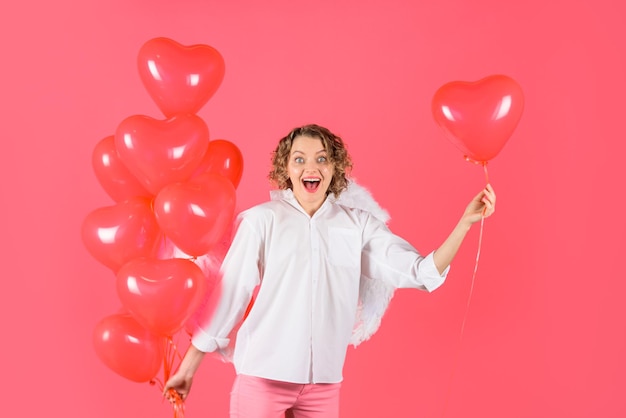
[222, 157]
[114, 235]
[161, 294]
[180, 79]
[160, 152]
[196, 214]
[479, 117]
[128, 348]
[113, 175]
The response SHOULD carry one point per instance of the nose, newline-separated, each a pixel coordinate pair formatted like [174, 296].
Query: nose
[311, 165]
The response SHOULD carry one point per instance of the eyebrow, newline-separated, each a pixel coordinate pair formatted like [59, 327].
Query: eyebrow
[302, 152]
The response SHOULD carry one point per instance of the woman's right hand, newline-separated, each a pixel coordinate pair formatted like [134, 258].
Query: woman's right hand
[177, 384]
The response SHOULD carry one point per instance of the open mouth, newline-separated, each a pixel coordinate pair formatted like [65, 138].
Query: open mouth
[311, 184]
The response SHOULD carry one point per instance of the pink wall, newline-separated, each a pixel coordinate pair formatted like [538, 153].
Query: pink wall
[545, 334]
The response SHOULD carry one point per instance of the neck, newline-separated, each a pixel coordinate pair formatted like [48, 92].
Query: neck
[310, 207]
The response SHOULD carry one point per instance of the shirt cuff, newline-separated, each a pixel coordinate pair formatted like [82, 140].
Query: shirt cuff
[429, 274]
[207, 343]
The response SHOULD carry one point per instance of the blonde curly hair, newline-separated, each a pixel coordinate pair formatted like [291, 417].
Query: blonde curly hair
[334, 146]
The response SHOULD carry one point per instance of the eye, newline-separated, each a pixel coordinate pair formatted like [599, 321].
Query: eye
[299, 160]
[322, 159]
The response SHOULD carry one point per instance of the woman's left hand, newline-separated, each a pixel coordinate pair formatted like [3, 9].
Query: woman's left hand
[482, 205]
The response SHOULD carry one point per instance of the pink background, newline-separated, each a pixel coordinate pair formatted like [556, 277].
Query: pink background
[545, 333]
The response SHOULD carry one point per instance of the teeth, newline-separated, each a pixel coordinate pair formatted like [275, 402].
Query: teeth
[312, 180]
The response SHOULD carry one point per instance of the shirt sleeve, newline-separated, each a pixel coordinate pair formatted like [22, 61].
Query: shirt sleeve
[226, 306]
[388, 257]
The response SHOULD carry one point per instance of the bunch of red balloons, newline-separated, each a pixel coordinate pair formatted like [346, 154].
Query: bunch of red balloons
[175, 193]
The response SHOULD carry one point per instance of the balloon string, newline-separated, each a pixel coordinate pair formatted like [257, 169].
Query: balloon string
[469, 299]
[169, 355]
[484, 163]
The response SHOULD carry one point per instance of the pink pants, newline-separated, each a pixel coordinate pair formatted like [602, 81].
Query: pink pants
[255, 397]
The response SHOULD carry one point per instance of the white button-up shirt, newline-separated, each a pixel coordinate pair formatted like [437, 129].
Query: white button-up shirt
[308, 270]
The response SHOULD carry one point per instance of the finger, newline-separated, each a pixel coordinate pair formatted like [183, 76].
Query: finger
[489, 209]
[491, 193]
[168, 393]
[489, 197]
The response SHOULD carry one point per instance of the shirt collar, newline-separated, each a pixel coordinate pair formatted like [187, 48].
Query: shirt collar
[355, 196]
[288, 196]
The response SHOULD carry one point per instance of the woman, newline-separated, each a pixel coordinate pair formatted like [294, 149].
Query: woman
[311, 257]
